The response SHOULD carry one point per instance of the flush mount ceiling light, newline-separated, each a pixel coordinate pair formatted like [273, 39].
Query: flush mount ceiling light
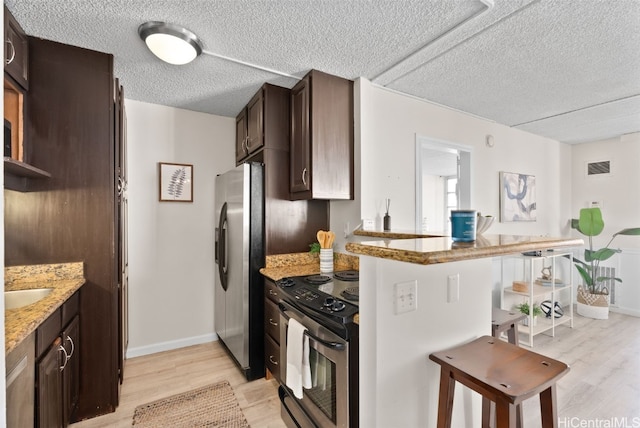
[171, 43]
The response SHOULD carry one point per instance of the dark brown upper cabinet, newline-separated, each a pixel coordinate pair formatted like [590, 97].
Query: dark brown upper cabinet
[18, 170]
[241, 135]
[263, 123]
[321, 149]
[255, 128]
[16, 50]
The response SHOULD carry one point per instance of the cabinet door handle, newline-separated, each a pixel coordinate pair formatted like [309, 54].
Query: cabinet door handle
[73, 347]
[245, 144]
[272, 322]
[272, 293]
[120, 186]
[13, 52]
[304, 176]
[66, 357]
[272, 360]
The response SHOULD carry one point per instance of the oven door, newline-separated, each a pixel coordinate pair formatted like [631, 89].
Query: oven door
[327, 401]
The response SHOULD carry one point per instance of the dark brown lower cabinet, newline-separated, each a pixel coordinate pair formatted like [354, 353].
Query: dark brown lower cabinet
[272, 328]
[49, 386]
[58, 370]
[71, 371]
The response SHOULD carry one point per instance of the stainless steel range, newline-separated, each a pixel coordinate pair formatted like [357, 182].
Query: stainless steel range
[325, 305]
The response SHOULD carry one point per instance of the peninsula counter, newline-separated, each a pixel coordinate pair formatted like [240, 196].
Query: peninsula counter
[455, 285]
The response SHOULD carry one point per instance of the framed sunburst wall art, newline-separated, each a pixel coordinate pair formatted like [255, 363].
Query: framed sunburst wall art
[176, 182]
[517, 197]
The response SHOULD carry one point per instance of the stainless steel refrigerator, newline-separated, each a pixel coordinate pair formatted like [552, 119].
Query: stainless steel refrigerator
[239, 255]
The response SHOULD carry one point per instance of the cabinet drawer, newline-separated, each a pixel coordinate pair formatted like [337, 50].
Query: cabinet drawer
[271, 291]
[47, 332]
[70, 308]
[272, 356]
[272, 320]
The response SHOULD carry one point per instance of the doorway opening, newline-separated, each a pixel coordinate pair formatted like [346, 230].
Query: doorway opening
[443, 183]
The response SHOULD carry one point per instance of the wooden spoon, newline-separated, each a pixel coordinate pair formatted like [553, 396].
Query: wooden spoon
[331, 238]
[321, 235]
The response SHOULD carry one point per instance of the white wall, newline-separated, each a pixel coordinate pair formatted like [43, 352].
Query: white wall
[386, 127]
[620, 205]
[392, 122]
[171, 261]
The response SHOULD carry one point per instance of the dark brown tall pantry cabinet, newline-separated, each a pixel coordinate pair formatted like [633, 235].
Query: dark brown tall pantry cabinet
[72, 131]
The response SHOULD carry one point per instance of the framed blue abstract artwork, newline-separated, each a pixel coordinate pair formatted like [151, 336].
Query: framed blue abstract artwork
[517, 197]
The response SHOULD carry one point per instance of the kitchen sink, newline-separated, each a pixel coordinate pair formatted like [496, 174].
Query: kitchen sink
[19, 298]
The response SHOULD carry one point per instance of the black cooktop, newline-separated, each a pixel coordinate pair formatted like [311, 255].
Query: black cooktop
[333, 295]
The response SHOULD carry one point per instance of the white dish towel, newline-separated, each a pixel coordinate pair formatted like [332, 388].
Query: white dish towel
[298, 368]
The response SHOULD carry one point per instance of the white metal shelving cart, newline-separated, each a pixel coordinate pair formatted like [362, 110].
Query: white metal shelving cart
[546, 276]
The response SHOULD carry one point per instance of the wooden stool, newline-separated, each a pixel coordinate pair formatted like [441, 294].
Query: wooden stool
[502, 321]
[504, 373]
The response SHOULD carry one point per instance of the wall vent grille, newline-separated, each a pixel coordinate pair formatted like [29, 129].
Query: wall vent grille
[609, 272]
[596, 168]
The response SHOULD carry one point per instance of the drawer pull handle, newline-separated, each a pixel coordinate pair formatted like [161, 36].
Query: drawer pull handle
[272, 360]
[273, 293]
[273, 323]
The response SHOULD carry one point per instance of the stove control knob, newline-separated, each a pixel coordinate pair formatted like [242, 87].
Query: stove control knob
[287, 282]
[337, 306]
[329, 302]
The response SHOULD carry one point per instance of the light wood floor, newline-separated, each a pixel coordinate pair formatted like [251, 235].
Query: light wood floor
[604, 381]
[156, 376]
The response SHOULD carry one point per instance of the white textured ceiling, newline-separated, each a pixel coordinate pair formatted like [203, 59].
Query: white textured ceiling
[564, 69]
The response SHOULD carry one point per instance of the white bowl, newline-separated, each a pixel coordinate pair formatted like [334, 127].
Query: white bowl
[483, 223]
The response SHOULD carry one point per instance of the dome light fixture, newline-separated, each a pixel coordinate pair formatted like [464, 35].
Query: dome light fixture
[171, 43]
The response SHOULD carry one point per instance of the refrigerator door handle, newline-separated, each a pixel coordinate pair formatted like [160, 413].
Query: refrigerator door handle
[215, 246]
[222, 247]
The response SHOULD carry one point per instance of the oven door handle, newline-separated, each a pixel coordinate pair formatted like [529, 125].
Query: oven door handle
[333, 345]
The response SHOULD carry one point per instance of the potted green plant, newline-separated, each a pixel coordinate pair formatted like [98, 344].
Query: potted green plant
[593, 294]
[525, 309]
[314, 248]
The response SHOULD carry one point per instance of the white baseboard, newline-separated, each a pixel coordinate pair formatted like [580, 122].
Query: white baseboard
[625, 311]
[167, 346]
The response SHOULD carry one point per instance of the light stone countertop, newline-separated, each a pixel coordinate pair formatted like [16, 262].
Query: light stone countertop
[64, 278]
[432, 250]
[277, 273]
[298, 264]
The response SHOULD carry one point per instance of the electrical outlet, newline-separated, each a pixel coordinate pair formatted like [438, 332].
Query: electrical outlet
[406, 296]
[453, 288]
[368, 224]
